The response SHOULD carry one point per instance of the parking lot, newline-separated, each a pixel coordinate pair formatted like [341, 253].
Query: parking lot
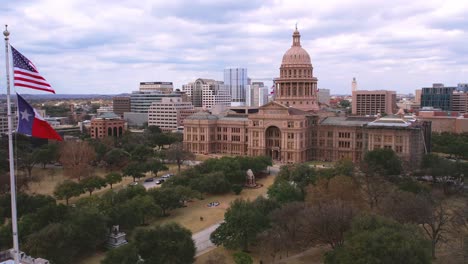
[155, 182]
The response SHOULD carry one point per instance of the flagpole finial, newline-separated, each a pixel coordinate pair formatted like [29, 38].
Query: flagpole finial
[6, 33]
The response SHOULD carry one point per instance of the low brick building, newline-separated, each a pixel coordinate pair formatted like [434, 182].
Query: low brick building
[107, 125]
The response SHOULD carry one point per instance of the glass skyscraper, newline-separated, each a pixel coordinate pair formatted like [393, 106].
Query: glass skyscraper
[236, 81]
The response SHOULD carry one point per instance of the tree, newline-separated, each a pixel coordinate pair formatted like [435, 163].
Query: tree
[300, 174]
[141, 153]
[341, 188]
[67, 190]
[345, 104]
[76, 158]
[113, 178]
[242, 258]
[374, 239]
[134, 170]
[116, 158]
[155, 166]
[436, 222]
[327, 222]
[286, 227]
[166, 198]
[126, 254]
[242, 223]
[46, 154]
[344, 167]
[178, 154]
[215, 183]
[382, 162]
[169, 243]
[93, 183]
[284, 192]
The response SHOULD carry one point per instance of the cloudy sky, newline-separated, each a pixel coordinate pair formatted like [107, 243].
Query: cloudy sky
[109, 46]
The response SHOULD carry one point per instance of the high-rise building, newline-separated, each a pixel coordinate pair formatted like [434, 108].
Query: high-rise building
[140, 102]
[324, 96]
[4, 118]
[207, 93]
[460, 102]
[163, 87]
[121, 104]
[236, 81]
[417, 96]
[462, 87]
[297, 86]
[169, 113]
[373, 102]
[257, 94]
[437, 96]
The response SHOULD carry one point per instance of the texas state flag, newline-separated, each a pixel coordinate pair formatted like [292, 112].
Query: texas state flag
[32, 124]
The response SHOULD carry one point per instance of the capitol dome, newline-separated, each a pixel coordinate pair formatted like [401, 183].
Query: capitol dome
[296, 54]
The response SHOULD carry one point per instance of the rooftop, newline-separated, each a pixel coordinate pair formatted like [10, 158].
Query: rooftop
[346, 121]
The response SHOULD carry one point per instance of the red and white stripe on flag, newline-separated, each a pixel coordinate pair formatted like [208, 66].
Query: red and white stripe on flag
[31, 80]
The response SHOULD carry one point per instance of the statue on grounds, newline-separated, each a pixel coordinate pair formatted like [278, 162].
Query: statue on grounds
[250, 179]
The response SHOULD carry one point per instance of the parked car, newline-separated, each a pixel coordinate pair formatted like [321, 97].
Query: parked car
[149, 180]
[133, 184]
[160, 181]
[167, 176]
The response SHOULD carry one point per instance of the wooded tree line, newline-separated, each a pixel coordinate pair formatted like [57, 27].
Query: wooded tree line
[365, 214]
[453, 144]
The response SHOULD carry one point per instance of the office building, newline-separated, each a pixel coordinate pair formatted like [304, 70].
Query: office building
[257, 94]
[417, 96]
[140, 102]
[162, 87]
[287, 134]
[236, 81]
[169, 113]
[207, 93]
[373, 102]
[437, 96]
[4, 118]
[121, 104]
[460, 102]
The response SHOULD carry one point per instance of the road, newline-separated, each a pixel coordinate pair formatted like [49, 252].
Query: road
[202, 240]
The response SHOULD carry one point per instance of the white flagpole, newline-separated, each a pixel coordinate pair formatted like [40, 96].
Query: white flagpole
[14, 220]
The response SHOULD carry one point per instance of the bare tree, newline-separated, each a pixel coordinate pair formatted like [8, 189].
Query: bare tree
[436, 223]
[177, 153]
[374, 188]
[326, 222]
[342, 188]
[76, 158]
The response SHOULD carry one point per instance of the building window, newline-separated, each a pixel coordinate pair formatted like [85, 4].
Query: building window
[290, 124]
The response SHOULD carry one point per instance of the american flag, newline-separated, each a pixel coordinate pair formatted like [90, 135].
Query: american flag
[26, 74]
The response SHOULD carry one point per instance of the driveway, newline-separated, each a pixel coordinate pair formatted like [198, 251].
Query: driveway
[202, 240]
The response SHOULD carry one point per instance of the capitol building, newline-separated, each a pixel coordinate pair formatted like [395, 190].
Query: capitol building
[292, 128]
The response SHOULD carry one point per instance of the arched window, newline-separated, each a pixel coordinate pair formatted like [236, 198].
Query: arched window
[109, 131]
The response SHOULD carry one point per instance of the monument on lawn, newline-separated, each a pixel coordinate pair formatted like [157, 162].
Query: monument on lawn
[116, 238]
[250, 179]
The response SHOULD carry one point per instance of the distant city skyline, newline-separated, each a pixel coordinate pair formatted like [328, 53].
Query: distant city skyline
[399, 45]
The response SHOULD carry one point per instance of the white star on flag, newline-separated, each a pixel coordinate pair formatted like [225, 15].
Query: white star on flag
[25, 115]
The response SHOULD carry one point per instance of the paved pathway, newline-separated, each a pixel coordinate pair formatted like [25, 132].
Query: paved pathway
[202, 240]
